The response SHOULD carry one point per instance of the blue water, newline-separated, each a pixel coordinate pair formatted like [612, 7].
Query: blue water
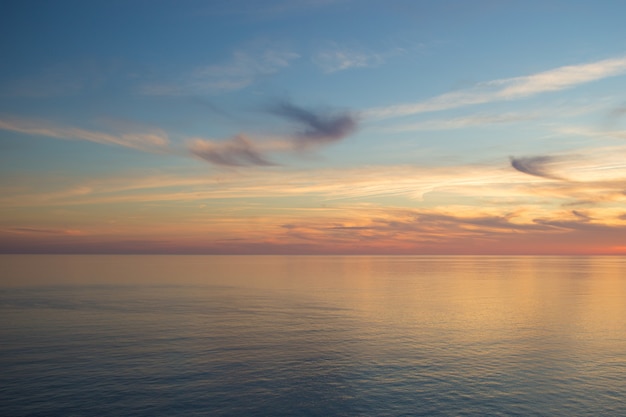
[312, 336]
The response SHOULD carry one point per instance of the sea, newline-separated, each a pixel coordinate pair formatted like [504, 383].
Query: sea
[126, 335]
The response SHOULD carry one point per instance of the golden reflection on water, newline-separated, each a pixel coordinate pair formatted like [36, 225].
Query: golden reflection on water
[528, 331]
[481, 297]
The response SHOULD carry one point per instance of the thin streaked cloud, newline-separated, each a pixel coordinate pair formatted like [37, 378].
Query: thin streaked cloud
[357, 228]
[461, 122]
[153, 141]
[329, 185]
[313, 126]
[337, 58]
[355, 209]
[242, 69]
[592, 132]
[598, 177]
[508, 88]
[43, 231]
[334, 57]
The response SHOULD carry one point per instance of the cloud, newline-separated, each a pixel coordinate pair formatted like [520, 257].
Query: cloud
[353, 229]
[440, 227]
[509, 88]
[334, 57]
[535, 165]
[338, 58]
[618, 112]
[462, 122]
[443, 230]
[592, 133]
[319, 128]
[236, 151]
[582, 215]
[44, 231]
[154, 140]
[330, 185]
[240, 150]
[384, 209]
[593, 180]
[241, 70]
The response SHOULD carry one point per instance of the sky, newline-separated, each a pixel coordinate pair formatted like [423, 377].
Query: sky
[313, 127]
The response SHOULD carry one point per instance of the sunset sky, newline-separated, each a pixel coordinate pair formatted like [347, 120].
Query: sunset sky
[313, 127]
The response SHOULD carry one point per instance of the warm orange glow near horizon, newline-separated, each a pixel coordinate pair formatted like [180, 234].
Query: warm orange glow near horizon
[275, 141]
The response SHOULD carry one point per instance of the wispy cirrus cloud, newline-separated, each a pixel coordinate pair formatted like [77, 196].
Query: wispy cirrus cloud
[462, 122]
[509, 88]
[591, 132]
[330, 185]
[493, 209]
[154, 140]
[599, 178]
[242, 69]
[483, 119]
[336, 58]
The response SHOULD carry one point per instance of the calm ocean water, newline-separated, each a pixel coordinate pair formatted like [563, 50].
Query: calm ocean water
[312, 336]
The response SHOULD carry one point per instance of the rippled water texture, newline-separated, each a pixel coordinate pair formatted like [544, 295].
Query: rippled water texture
[312, 336]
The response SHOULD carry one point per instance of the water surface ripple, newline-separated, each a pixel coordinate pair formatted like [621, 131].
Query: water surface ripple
[312, 336]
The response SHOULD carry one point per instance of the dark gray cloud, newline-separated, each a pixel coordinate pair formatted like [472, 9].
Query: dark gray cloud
[423, 226]
[351, 228]
[488, 224]
[579, 224]
[615, 118]
[581, 215]
[37, 230]
[618, 112]
[237, 151]
[535, 165]
[318, 128]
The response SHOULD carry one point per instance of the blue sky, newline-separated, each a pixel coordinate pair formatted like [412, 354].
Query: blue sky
[313, 126]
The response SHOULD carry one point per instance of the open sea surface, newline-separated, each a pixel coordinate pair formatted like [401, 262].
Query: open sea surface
[312, 336]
